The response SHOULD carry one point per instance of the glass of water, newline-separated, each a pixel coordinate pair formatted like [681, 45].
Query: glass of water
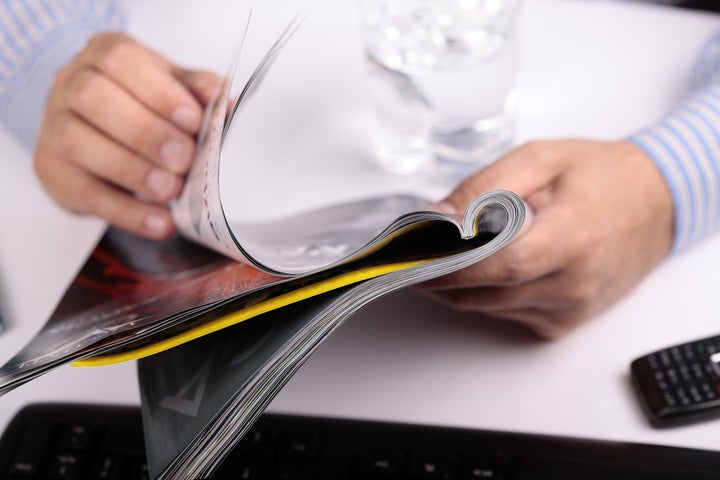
[443, 81]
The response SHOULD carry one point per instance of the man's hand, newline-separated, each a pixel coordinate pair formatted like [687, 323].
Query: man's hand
[603, 218]
[118, 133]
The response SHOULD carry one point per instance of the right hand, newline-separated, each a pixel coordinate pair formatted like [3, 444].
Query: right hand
[118, 133]
[603, 218]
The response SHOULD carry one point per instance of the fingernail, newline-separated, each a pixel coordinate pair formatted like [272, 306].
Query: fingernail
[173, 155]
[443, 207]
[161, 183]
[156, 224]
[187, 118]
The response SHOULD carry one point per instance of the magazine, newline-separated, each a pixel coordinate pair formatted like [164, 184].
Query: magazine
[221, 316]
[235, 374]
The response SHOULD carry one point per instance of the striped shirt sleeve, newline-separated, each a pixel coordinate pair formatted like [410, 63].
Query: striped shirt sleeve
[37, 37]
[685, 146]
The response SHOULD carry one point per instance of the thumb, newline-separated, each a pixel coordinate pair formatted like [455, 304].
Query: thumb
[523, 171]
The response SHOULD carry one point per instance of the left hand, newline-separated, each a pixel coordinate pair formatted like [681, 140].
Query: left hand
[603, 218]
[118, 133]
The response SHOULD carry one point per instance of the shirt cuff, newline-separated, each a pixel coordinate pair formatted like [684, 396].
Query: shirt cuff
[685, 147]
[22, 100]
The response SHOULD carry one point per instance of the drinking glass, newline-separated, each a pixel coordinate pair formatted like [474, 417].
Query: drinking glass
[443, 81]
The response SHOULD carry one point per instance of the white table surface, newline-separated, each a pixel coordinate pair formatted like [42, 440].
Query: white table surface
[590, 69]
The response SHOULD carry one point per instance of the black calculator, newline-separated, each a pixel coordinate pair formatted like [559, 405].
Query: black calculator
[679, 384]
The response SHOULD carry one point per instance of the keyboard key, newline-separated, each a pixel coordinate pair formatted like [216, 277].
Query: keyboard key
[299, 446]
[76, 437]
[259, 443]
[371, 465]
[107, 467]
[481, 467]
[433, 466]
[27, 458]
[65, 466]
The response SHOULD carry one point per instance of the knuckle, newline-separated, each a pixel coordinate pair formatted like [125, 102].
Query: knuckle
[66, 138]
[84, 91]
[98, 41]
[117, 55]
[534, 149]
[61, 76]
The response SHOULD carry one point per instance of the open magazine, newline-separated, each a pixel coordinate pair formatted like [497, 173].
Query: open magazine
[222, 315]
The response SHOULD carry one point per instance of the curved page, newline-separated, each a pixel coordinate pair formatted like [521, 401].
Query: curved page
[305, 243]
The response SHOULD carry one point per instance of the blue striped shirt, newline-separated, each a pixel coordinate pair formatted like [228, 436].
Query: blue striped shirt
[685, 146]
[37, 37]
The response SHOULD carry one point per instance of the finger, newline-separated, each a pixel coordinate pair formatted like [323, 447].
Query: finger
[547, 321]
[544, 324]
[559, 293]
[80, 192]
[82, 145]
[147, 76]
[202, 84]
[89, 94]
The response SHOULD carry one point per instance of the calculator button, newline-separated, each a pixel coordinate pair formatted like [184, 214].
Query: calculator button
[689, 353]
[665, 359]
[669, 399]
[653, 362]
[695, 394]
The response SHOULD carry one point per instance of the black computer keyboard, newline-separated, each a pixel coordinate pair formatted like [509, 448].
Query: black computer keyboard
[72, 441]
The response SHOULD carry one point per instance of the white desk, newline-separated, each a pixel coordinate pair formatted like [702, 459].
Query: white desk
[589, 69]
